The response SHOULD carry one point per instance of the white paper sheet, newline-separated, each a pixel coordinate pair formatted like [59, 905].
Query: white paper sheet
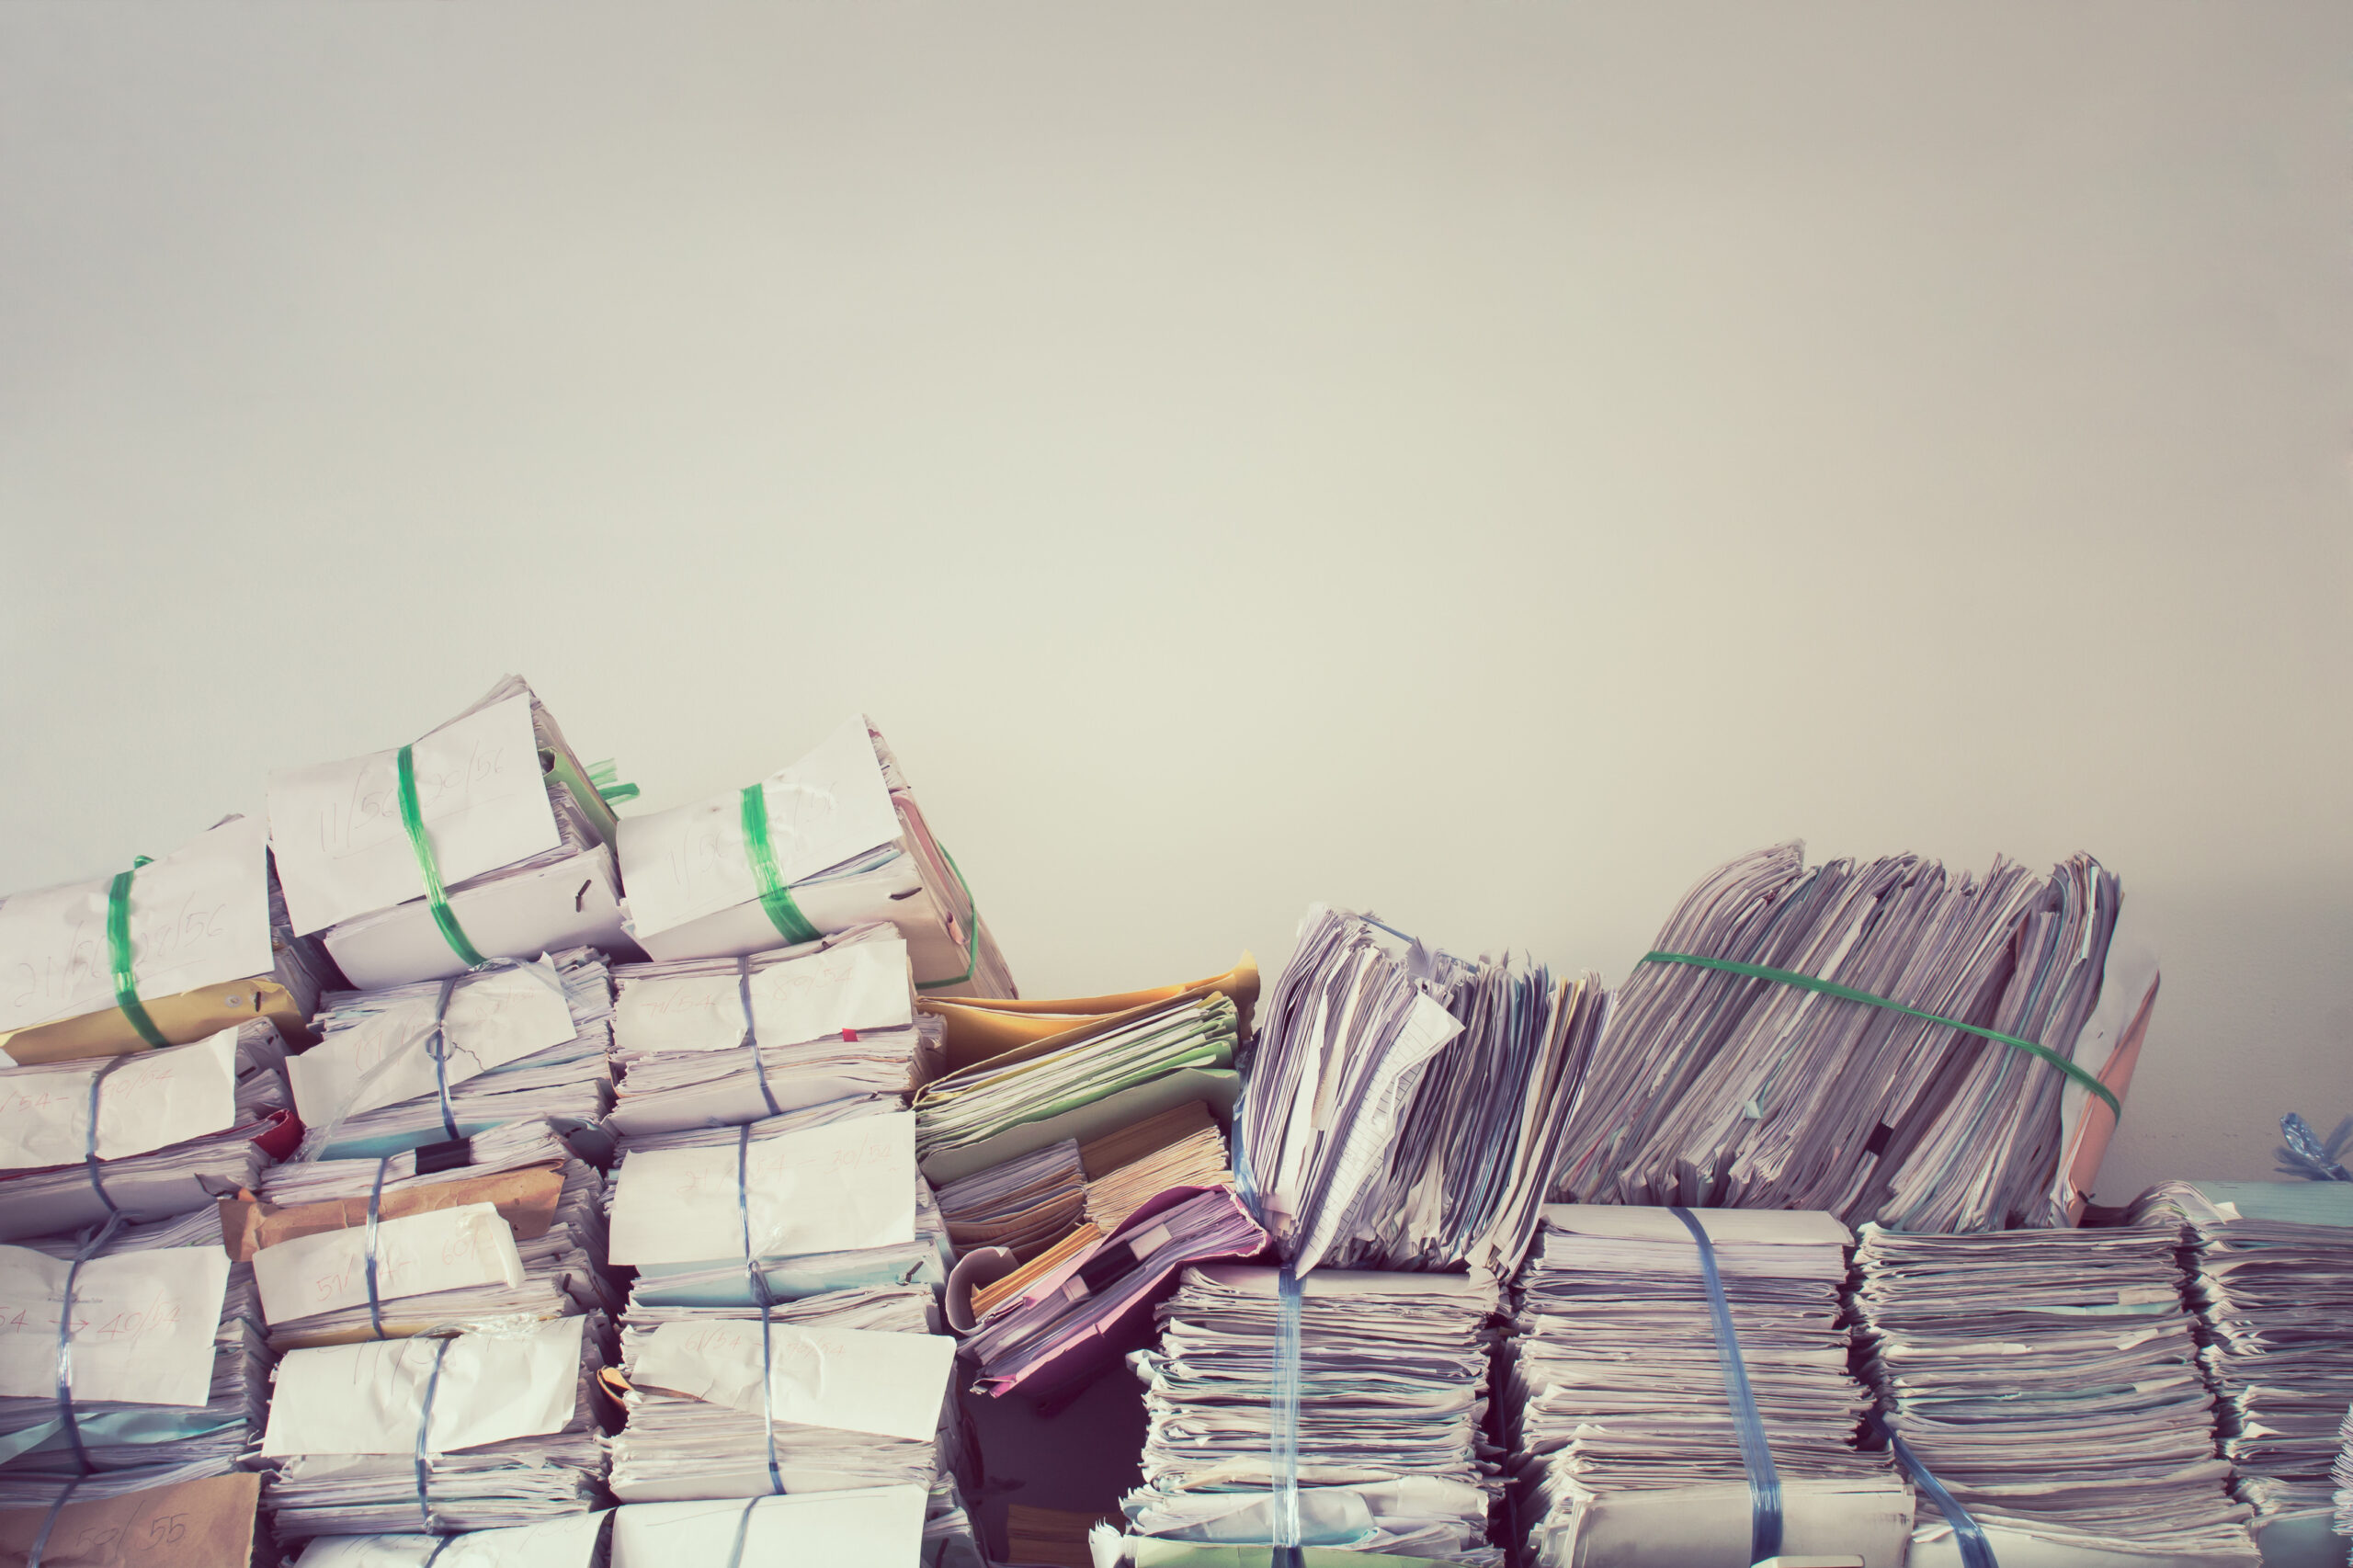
[876, 1526]
[493, 1018]
[151, 1101]
[143, 1324]
[862, 986]
[856, 1380]
[337, 827]
[688, 862]
[443, 1250]
[559, 1543]
[367, 1399]
[833, 1188]
[198, 915]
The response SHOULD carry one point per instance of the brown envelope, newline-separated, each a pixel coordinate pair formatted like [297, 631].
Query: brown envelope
[526, 1199]
[194, 1524]
[997, 1031]
[183, 1019]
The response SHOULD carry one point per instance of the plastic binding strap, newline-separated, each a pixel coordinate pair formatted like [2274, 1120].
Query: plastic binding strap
[760, 855]
[90, 1160]
[428, 868]
[1755, 1454]
[762, 1297]
[439, 1047]
[439, 1547]
[1285, 1434]
[1976, 1552]
[126, 985]
[99, 1237]
[49, 1523]
[423, 1435]
[752, 1042]
[375, 1200]
[971, 937]
[742, 1533]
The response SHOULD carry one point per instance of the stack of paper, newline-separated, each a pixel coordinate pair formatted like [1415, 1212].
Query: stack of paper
[190, 1523]
[1393, 1455]
[2050, 1381]
[175, 1129]
[510, 1146]
[575, 1542]
[209, 946]
[169, 1375]
[487, 1429]
[1406, 1106]
[517, 833]
[1623, 1431]
[847, 845]
[1719, 1089]
[713, 1043]
[2342, 1475]
[400, 1067]
[1033, 1200]
[2271, 1277]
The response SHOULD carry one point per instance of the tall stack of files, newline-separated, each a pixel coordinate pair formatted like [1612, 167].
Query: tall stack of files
[577, 1542]
[491, 1427]
[203, 1523]
[439, 1059]
[2047, 1380]
[1731, 1090]
[1393, 1455]
[150, 1134]
[832, 842]
[483, 839]
[167, 1379]
[205, 944]
[2271, 1278]
[1406, 1106]
[1622, 1434]
[717, 1042]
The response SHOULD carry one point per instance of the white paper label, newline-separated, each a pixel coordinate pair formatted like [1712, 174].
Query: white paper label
[198, 915]
[153, 1099]
[445, 1249]
[368, 1398]
[832, 1188]
[143, 1324]
[495, 1017]
[875, 1527]
[864, 985]
[854, 1380]
[337, 828]
[688, 862]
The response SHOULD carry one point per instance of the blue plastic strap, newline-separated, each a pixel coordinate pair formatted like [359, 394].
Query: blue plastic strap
[49, 1523]
[1285, 1530]
[751, 1040]
[438, 1046]
[90, 1161]
[423, 1435]
[1976, 1552]
[99, 1237]
[439, 1547]
[1755, 1454]
[762, 1297]
[742, 1531]
[375, 1202]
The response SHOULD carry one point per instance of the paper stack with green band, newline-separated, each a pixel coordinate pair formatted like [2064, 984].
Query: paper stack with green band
[834, 841]
[485, 838]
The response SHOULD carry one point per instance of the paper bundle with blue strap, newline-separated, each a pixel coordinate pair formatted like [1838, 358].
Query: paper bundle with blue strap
[1884, 1039]
[1685, 1393]
[578, 1542]
[832, 842]
[2045, 1388]
[2271, 1278]
[204, 1523]
[484, 839]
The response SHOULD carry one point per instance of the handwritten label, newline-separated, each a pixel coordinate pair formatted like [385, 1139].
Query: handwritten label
[833, 1188]
[153, 1100]
[864, 985]
[445, 1250]
[854, 1380]
[367, 1399]
[495, 1017]
[141, 1330]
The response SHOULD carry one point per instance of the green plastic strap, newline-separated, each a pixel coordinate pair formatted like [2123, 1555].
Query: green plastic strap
[605, 778]
[1831, 988]
[412, 818]
[126, 989]
[971, 934]
[785, 915]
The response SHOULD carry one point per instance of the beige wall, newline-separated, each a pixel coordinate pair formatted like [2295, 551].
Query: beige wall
[1487, 462]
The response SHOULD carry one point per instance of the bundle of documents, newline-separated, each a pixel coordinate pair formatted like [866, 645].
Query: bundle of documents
[1716, 1089]
[190, 1523]
[575, 1542]
[483, 839]
[832, 842]
[1406, 1106]
[441, 1059]
[2049, 1380]
[205, 945]
[168, 1374]
[510, 1146]
[1623, 1435]
[713, 1043]
[1076, 1307]
[420, 1255]
[1393, 1455]
[1033, 1200]
[486, 1429]
[876, 1526]
[173, 1130]
[2271, 1277]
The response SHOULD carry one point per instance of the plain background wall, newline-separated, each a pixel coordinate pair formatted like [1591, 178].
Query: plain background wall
[1487, 463]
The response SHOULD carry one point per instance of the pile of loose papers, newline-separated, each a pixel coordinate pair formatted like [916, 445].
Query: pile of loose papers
[1393, 1452]
[1622, 1432]
[1726, 1090]
[2050, 1381]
